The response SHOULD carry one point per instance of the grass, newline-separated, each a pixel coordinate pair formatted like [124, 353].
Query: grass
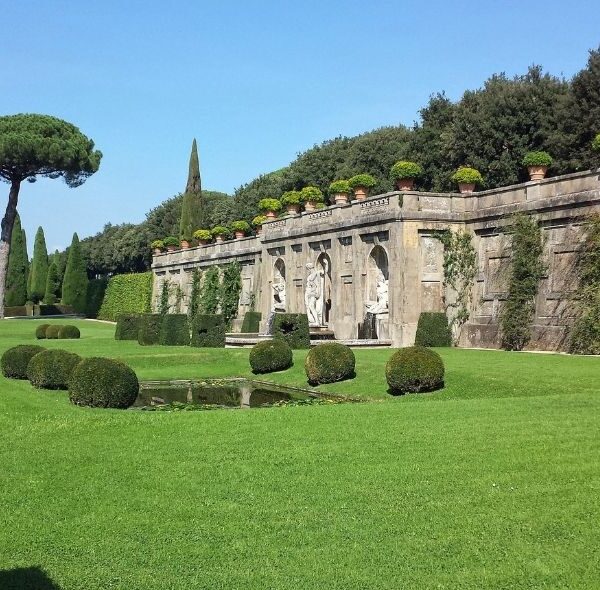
[491, 483]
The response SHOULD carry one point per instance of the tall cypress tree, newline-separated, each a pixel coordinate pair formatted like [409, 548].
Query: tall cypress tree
[39, 267]
[52, 285]
[192, 207]
[16, 277]
[75, 281]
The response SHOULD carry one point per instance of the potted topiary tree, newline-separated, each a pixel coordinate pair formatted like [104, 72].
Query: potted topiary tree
[257, 222]
[310, 196]
[340, 189]
[537, 164]
[240, 228]
[157, 246]
[220, 232]
[467, 179]
[361, 184]
[203, 236]
[404, 174]
[171, 243]
[291, 201]
[270, 207]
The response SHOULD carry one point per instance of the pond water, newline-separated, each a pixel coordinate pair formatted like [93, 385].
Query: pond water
[236, 393]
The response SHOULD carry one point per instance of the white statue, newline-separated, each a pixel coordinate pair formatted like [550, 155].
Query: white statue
[381, 305]
[313, 296]
[279, 296]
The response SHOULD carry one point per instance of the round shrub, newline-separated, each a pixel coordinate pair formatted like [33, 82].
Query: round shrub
[171, 241]
[311, 194]
[290, 198]
[69, 332]
[15, 360]
[537, 159]
[596, 143]
[365, 180]
[103, 383]
[52, 331]
[202, 234]
[328, 363]
[40, 331]
[220, 230]
[466, 175]
[270, 355]
[402, 170]
[259, 220]
[414, 369]
[340, 187]
[157, 245]
[242, 226]
[52, 369]
[269, 205]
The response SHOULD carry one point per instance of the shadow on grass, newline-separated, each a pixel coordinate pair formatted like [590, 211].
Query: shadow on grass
[26, 578]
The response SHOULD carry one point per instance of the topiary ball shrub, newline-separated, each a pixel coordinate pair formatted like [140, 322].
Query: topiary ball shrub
[52, 369]
[15, 360]
[69, 332]
[328, 363]
[40, 331]
[52, 331]
[128, 326]
[414, 369]
[103, 383]
[433, 330]
[270, 355]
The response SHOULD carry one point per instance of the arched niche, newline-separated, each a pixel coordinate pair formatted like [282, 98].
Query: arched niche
[377, 265]
[278, 297]
[323, 266]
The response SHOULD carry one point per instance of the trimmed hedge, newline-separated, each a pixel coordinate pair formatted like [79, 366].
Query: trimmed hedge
[131, 293]
[56, 309]
[208, 331]
[52, 331]
[52, 369]
[270, 355]
[95, 296]
[414, 369]
[40, 331]
[14, 311]
[69, 332]
[128, 326]
[328, 363]
[433, 330]
[14, 361]
[149, 332]
[292, 328]
[174, 330]
[103, 383]
[251, 322]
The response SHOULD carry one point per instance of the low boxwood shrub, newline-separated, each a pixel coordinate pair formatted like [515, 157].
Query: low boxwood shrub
[103, 383]
[220, 230]
[290, 198]
[52, 369]
[149, 332]
[270, 355]
[311, 194]
[69, 332]
[14, 311]
[364, 180]
[52, 331]
[466, 175]
[269, 205]
[240, 226]
[40, 331]
[128, 326]
[537, 159]
[203, 234]
[433, 330]
[259, 220]
[171, 242]
[208, 331]
[328, 363]
[340, 187]
[174, 330]
[414, 369]
[251, 322]
[55, 309]
[14, 361]
[403, 169]
[292, 328]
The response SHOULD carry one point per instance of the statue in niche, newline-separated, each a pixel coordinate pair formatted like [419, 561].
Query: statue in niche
[382, 288]
[313, 295]
[278, 296]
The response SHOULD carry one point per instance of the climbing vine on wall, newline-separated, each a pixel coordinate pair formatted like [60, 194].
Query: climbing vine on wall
[231, 286]
[526, 270]
[163, 302]
[178, 295]
[194, 294]
[210, 292]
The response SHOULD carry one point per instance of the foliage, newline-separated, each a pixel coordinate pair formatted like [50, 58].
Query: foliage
[526, 270]
[210, 292]
[259, 220]
[311, 194]
[231, 287]
[202, 234]
[240, 226]
[40, 331]
[53, 331]
[52, 285]
[149, 328]
[329, 362]
[14, 361]
[75, 282]
[163, 300]
[158, 245]
[270, 356]
[537, 159]
[18, 263]
[290, 198]
[340, 187]
[193, 214]
[220, 230]
[208, 331]
[194, 302]
[103, 383]
[269, 205]
[405, 169]
[39, 268]
[171, 241]
[433, 330]
[585, 334]
[130, 293]
[292, 328]
[467, 175]
[52, 369]
[128, 326]
[251, 322]
[413, 370]
[362, 180]
[174, 330]
[596, 143]
[95, 296]
[69, 332]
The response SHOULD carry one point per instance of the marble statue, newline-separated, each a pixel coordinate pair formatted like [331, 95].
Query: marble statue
[313, 295]
[381, 305]
[278, 296]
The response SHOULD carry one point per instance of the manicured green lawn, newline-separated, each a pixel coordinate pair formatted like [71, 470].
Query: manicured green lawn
[495, 485]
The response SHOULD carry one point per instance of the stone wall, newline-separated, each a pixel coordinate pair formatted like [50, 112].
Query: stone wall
[392, 236]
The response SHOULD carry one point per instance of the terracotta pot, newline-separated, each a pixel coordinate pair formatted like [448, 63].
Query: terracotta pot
[157, 251]
[203, 242]
[184, 244]
[219, 239]
[310, 206]
[466, 188]
[361, 193]
[405, 184]
[258, 230]
[537, 172]
[171, 248]
[271, 215]
[293, 209]
[340, 198]
[239, 235]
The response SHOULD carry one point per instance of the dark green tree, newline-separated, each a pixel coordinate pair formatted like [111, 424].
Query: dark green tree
[192, 208]
[75, 282]
[52, 285]
[38, 145]
[18, 263]
[39, 268]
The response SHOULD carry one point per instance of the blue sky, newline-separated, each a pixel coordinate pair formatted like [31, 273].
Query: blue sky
[254, 82]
